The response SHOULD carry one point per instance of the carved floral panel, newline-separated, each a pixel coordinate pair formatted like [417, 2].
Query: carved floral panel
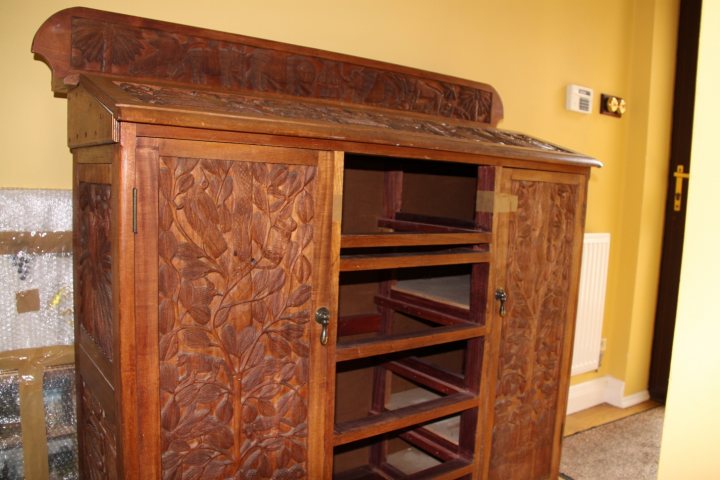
[541, 238]
[152, 53]
[235, 244]
[94, 265]
[97, 437]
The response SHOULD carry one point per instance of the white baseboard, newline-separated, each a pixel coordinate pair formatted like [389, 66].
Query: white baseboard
[605, 389]
[635, 398]
[587, 394]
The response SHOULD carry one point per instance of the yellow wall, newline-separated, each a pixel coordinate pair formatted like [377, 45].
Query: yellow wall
[651, 81]
[689, 445]
[529, 51]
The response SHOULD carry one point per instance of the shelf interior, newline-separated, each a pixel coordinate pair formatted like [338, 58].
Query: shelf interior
[451, 289]
[415, 255]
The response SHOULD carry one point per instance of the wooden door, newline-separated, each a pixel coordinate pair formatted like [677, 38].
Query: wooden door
[231, 251]
[674, 229]
[539, 247]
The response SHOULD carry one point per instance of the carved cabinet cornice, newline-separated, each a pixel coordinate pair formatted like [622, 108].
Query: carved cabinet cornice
[292, 263]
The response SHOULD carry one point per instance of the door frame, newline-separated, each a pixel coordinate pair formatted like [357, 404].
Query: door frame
[673, 232]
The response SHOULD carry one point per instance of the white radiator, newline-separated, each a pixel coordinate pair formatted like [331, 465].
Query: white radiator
[591, 302]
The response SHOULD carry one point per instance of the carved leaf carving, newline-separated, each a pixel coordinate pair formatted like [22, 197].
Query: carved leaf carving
[94, 265]
[299, 296]
[538, 279]
[273, 108]
[151, 53]
[105, 43]
[98, 436]
[234, 301]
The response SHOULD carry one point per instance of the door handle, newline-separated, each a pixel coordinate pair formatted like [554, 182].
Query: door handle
[322, 316]
[679, 175]
[501, 295]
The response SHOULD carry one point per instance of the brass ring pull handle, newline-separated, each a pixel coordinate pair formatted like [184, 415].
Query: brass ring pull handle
[501, 295]
[322, 316]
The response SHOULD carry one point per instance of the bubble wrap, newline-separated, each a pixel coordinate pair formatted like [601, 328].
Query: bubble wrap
[25, 210]
[52, 324]
[46, 275]
[60, 423]
[11, 449]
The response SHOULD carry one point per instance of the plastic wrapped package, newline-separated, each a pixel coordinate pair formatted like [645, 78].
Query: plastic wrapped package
[25, 210]
[35, 300]
[37, 414]
[11, 447]
[63, 457]
[60, 421]
[37, 393]
[35, 268]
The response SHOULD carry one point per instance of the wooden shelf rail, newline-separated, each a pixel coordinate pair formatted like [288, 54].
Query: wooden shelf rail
[404, 417]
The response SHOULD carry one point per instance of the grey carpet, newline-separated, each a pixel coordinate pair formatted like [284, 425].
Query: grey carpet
[626, 449]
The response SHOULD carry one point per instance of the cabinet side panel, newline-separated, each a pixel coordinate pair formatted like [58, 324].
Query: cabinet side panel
[95, 351]
[98, 437]
[541, 253]
[94, 273]
[235, 246]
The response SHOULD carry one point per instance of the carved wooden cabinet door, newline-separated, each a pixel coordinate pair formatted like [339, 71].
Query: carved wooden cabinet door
[230, 247]
[539, 256]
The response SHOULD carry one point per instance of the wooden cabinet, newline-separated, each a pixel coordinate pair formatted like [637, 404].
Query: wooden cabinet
[297, 264]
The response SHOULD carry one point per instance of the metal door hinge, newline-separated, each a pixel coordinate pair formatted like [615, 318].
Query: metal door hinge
[134, 210]
[679, 175]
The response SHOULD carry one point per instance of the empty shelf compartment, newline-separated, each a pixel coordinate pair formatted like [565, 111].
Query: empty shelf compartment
[451, 289]
[407, 461]
[404, 417]
[447, 428]
[414, 389]
[369, 347]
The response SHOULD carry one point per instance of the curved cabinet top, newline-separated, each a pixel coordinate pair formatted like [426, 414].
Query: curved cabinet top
[158, 73]
[82, 40]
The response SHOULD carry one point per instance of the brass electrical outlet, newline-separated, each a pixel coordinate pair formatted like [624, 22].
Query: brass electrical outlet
[612, 105]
